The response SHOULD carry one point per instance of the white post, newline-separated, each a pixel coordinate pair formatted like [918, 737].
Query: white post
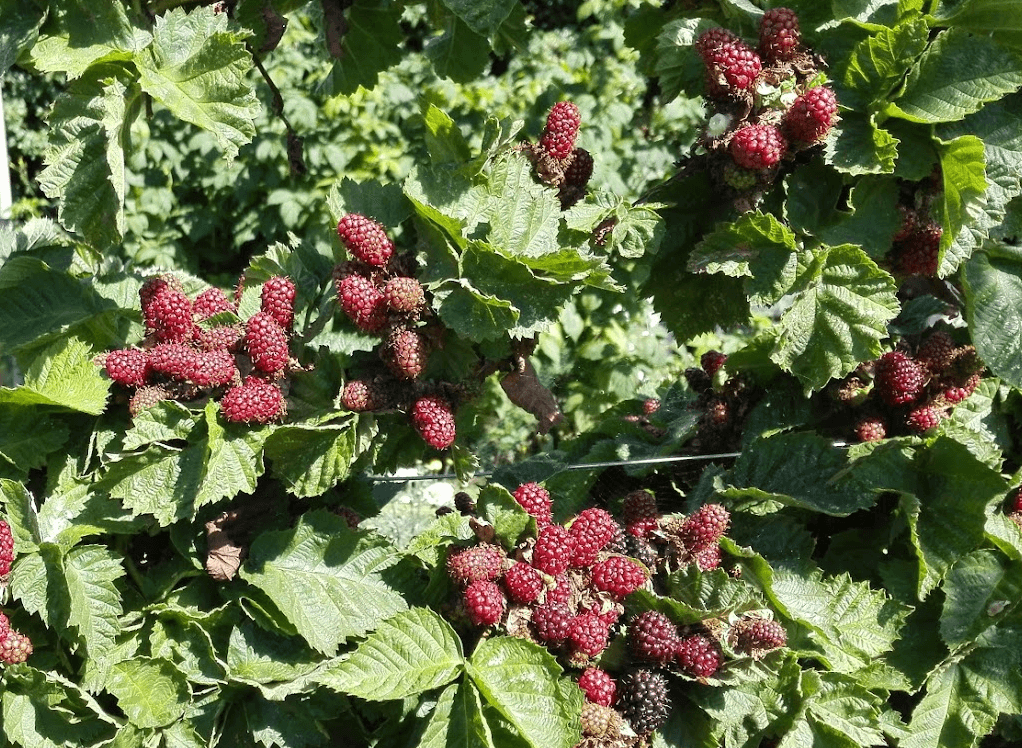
[5, 167]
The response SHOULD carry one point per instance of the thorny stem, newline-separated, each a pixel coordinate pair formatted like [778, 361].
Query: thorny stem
[294, 143]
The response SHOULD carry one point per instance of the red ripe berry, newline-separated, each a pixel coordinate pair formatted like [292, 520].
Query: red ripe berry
[909, 221]
[730, 68]
[899, 379]
[871, 429]
[920, 252]
[254, 401]
[366, 239]
[434, 421]
[653, 637]
[598, 686]
[553, 551]
[936, 352]
[711, 361]
[640, 513]
[812, 115]
[591, 530]
[523, 583]
[219, 338]
[363, 302]
[360, 396]
[146, 397]
[483, 561]
[758, 146]
[211, 301]
[484, 602]
[711, 40]
[589, 634]
[15, 648]
[128, 366]
[553, 621]
[959, 390]
[169, 315]
[561, 591]
[699, 655]
[278, 300]
[779, 34]
[754, 635]
[266, 342]
[705, 527]
[405, 353]
[213, 368]
[536, 501]
[561, 129]
[619, 576]
[6, 548]
[650, 405]
[922, 419]
[155, 285]
[1015, 502]
[173, 359]
[708, 559]
[404, 294]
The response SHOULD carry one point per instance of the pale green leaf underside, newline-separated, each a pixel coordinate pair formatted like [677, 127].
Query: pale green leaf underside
[151, 691]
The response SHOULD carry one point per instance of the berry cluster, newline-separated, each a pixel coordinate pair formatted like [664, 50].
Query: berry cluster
[188, 353]
[723, 401]
[378, 291]
[14, 646]
[916, 245]
[910, 393]
[564, 588]
[766, 104]
[556, 160]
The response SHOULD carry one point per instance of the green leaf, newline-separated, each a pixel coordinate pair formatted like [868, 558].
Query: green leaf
[980, 590]
[21, 515]
[993, 307]
[90, 128]
[639, 230]
[312, 459]
[43, 709]
[994, 17]
[677, 66]
[756, 245]
[459, 53]
[326, 579]
[62, 375]
[853, 623]
[873, 219]
[371, 40]
[523, 215]
[709, 593]
[38, 303]
[802, 470]
[382, 202]
[692, 304]
[498, 507]
[472, 314]
[834, 711]
[878, 63]
[963, 166]
[858, 146]
[536, 300]
[412, 652]
[91, 573]
[289, 724]
[482, 16]
[842, 304]
[80, 34]
[275, 664]
[947, 514]
[26, 437]
[444, 140]
[457, 720]
[198, 69]
[955, 76]
[150, 691]
[523, 682]
[20, 31]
